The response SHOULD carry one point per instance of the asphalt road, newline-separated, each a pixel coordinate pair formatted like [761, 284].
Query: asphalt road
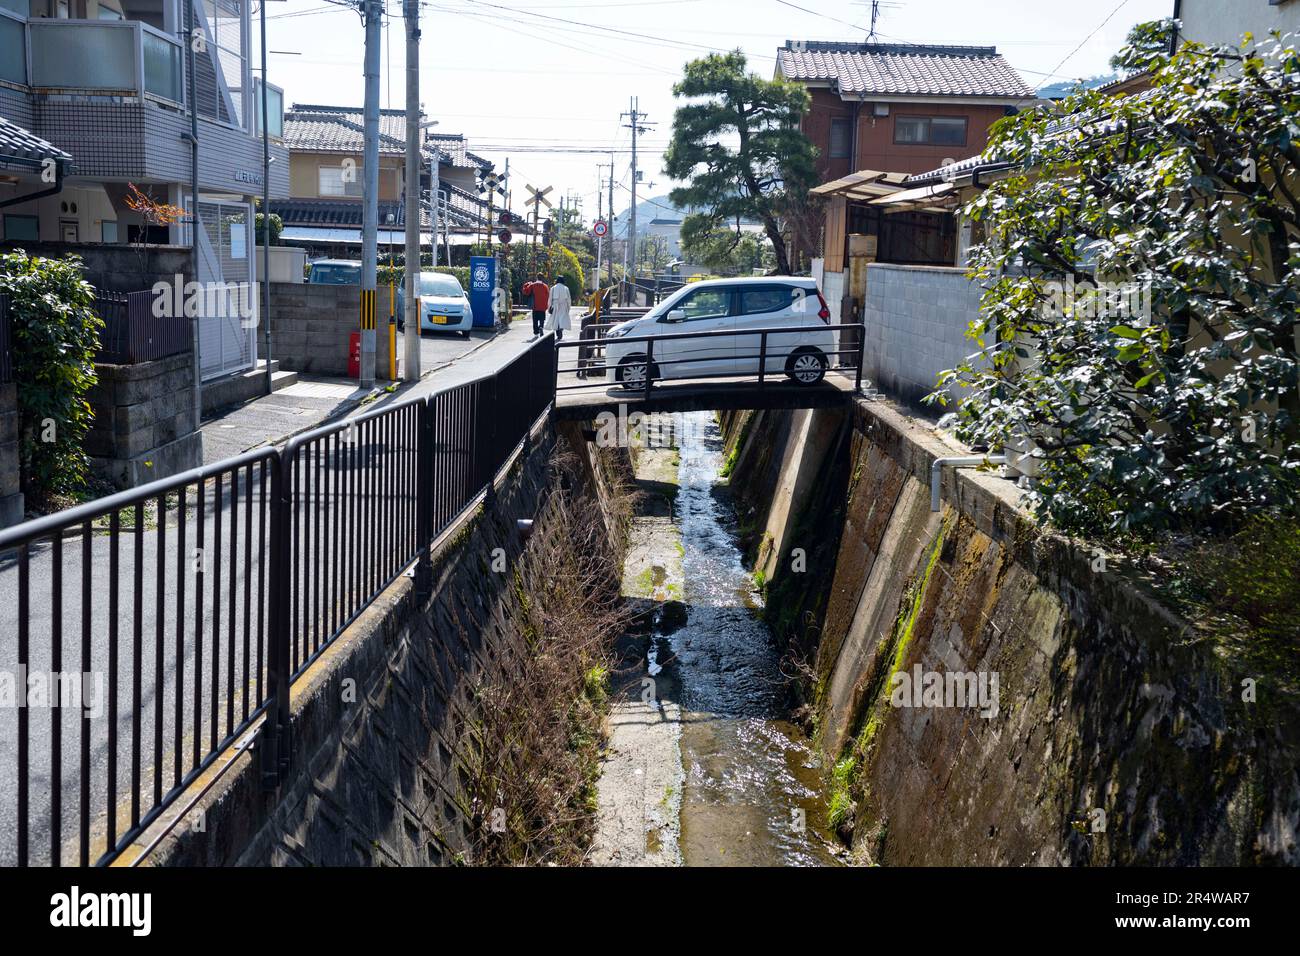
[184, 653]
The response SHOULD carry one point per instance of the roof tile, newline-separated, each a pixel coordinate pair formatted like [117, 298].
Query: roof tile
[893, 69]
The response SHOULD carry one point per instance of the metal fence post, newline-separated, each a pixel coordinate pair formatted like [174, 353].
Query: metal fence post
[862, 342]
[486, 415]
[274, 742]
[649, 366]
[424, 498]
[762, 357]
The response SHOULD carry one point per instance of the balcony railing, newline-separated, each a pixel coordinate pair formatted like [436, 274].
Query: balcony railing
[125, 57]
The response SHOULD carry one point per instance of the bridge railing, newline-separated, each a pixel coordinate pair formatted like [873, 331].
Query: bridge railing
[775, 348]
[150, 631]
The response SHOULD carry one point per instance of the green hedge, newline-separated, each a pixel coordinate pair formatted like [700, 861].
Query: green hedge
[55, 337]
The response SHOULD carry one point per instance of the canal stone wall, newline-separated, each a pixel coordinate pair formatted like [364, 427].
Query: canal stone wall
[384, 722]
[1117, 737]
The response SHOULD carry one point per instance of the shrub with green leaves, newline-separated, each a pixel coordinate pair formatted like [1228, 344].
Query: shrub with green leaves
[55, 334]
[1187, 416]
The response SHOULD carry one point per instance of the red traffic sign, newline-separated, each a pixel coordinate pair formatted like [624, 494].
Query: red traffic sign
[505, 237]
[600, 228]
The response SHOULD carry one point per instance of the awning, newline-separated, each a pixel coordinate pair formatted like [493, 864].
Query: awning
[922, 198]
[352, 237]
[864, 184]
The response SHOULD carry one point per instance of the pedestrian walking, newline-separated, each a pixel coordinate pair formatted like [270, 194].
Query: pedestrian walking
[557, 319]
[539, 297]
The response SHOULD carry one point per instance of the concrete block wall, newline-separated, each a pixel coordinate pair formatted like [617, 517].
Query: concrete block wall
[118, 268]
[11, 499]
[915, 325]
[144, 426]
[311, 325]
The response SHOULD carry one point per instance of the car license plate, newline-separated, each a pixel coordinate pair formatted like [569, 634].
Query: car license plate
[439, 320]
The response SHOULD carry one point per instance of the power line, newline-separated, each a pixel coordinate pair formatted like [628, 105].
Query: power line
[1109, 16]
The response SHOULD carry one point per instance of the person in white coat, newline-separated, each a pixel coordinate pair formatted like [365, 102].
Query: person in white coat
[557, 315]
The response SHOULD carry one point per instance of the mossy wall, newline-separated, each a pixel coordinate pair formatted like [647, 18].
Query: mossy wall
[1118, 737]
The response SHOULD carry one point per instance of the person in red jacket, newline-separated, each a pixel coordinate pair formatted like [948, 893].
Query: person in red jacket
[539, 294]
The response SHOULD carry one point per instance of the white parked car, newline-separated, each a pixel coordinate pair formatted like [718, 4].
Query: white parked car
[444, 306]
[742, 307]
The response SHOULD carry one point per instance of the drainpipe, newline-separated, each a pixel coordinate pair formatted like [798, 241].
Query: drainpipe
[958, 461]
[1173, 33]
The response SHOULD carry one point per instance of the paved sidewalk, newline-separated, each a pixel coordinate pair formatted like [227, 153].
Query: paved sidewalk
[313, 400]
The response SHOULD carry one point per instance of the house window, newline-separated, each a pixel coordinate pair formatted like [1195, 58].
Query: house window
[108, 230]
[841, 138]
[339, 181]
[930, 130]
[26, 228]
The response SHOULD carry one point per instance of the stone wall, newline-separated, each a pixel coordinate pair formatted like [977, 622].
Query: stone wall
[144, 426]
[311, 326]
[1118, 736]
[11, 499]
[916, 319]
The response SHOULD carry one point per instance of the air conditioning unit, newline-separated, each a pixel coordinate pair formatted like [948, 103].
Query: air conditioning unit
[879, 109]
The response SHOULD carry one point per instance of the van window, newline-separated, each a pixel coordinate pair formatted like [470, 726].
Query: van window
[768, 298]
[706, 304]
[336, 274]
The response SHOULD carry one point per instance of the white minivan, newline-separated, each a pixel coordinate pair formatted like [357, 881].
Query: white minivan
[741, 307]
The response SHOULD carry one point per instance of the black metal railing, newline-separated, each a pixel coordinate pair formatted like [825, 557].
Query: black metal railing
[6, 343]
[180, 613]
[655, 360]
[132, 333]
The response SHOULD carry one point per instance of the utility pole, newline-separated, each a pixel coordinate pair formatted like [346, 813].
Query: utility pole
[635, 126]
[411, 318]
[611, 219]
[600, 240]
[373, 10]
[266, 206]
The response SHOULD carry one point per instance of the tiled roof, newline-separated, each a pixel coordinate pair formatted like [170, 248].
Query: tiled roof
[18, 144]
[341, 129]
[897, 69]
[464, 211]
[454, 146]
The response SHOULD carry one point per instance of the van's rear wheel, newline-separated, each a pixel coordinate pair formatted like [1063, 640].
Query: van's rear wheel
[806, 365]
[631, 372]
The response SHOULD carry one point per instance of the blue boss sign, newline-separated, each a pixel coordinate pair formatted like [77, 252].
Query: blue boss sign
[482, 282]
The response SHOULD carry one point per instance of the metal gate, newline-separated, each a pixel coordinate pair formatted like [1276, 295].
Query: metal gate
[228, 324]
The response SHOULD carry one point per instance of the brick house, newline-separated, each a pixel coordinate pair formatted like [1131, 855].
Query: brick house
[901, 108]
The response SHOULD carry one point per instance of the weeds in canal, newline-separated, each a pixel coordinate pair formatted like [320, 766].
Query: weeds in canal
[533, 786]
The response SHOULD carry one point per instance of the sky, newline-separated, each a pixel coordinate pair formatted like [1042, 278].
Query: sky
[541, 81]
